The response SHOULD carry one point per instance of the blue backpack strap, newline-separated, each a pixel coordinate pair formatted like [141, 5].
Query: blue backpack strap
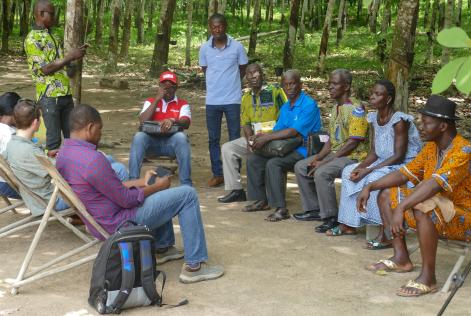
[147, 273]
[127, 276]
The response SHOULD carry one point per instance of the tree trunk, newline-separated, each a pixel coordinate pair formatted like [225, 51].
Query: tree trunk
[11, 22]
[99, 22]
[222, 6]
[325, 36]
[431, 31]
[5, 26]
[283, 6]
[441, 16]
[74, 36]
[162, 38]
[150, 24]
[448, 22]
[341, 20]
[402, 51]
[114, 35]
[189, 24]
[426, 13]
[270, 12]
[459, 12]
[374, 15]
[213, 7]
[386, 17]
[254, 28]
[302, 26]
[248, 9]
[288, 55]
[140, 9]
[126, 29]
[359, 9]
[24, 19]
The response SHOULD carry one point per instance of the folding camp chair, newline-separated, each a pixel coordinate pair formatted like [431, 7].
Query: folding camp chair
[463, 248]
[9, 205]
[60, 187]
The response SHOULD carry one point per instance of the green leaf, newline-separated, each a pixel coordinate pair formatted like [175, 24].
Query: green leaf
[445, 76]
[463, 78]
[453, 37]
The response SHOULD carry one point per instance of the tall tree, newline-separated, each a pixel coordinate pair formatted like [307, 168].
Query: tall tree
[325, 36]
[302, 26]
[99, 22]
[254, 28]
[448, 22]
[374, 15]
[283, 5]
[24, 18]
[402, 51]
[426, 13]
[5, 24]
[151, 15]
[126, 28]
[386, 16]
[288, 54]
[162, 38]
[222, 6]
[341, 20]
[431, 30]
[359, 9]
[189, 25]
[74, 36]
[114, 35]
[140, 9]
[248, 9]
[213, 7]
[459, 12]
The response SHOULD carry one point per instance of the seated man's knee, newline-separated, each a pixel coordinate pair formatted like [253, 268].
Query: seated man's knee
[419, 215]
[180, 138]
[300, 167]
[384, 196]
[322, 174]
[140, 138]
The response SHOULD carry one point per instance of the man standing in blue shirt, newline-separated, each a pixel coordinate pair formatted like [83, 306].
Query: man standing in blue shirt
[298, 117]
[223, 61]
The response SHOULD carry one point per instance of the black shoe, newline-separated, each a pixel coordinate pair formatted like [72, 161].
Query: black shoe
[233, 196]
[308, 216]
[329, 223]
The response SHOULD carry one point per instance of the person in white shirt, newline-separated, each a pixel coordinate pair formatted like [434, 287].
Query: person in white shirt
[8, 101]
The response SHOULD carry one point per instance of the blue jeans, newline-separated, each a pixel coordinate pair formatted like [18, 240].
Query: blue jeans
[6, 190]
[213, 122]
[176, 145]
[118, 168]
[157, 213]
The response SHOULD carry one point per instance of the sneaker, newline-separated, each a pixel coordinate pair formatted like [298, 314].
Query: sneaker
[205, 272]
[216, 181]
[171, 253]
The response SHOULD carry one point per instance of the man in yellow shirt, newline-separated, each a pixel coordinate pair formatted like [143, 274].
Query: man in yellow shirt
[259, 112]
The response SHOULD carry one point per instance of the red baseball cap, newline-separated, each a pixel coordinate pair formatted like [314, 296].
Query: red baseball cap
[168, 76]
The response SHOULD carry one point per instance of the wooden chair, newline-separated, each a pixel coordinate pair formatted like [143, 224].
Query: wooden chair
[9, 205]
[60, 187]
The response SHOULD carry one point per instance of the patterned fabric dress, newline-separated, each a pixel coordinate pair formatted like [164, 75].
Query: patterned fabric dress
[384, 147]
[453, 174]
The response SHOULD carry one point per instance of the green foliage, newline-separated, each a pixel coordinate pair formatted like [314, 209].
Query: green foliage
[458, 69]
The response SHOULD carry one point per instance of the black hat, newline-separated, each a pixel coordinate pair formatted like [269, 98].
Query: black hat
[441, 107]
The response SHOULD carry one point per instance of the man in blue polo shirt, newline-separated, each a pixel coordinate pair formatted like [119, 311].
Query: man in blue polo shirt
[223, 61]
[298, 116]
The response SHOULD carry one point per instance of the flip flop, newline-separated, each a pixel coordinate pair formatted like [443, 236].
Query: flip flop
[276, 216]
[421, 288]
[337, 231]
[390, 266]
[374, 244]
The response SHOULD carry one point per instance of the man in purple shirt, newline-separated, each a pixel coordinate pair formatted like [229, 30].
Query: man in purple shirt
[111, 201]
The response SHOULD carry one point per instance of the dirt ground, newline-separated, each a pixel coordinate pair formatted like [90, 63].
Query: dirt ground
[271, 268]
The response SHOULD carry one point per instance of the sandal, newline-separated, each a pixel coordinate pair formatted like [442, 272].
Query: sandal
[420, 289]
[256, 206]
[389, 266]
[278, 215]
[374, 244]
[337, 231]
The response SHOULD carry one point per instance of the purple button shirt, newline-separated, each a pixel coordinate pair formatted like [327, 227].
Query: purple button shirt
[91, 177]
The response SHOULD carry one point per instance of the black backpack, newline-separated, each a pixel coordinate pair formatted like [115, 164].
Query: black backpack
[124, 272]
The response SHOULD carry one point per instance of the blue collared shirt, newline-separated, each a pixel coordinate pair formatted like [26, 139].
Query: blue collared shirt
[222, 72]
[304, 116]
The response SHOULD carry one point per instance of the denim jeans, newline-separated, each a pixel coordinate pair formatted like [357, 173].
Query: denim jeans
[157, 213]
[118, 168]
[6, 190]
[56, 112]
[176, 145]
[213, 122]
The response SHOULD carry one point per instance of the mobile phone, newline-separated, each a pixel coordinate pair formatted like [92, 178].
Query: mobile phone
[160, 172]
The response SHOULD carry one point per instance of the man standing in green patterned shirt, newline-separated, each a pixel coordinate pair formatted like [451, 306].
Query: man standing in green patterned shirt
[47, 64]
[259, 111]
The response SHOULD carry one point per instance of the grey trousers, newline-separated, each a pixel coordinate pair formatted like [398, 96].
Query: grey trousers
[265, 177]
[232, 154]
[318, 192]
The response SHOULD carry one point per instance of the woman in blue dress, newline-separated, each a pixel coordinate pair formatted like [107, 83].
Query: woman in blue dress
[394, 142]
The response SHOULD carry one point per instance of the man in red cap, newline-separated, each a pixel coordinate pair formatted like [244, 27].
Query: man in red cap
[168, 110]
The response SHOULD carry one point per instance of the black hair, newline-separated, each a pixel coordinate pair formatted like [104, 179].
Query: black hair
[218, 17]
[8, 101]
[82, 115]
[389, 86]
